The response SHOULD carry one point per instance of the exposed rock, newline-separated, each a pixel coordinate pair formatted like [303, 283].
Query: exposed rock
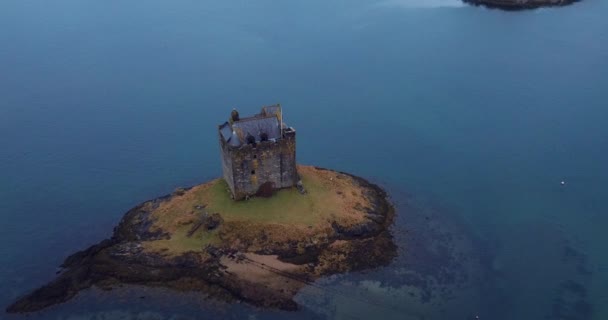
[212, 221]
[231, 269]
[358, 230]
[208, 221]
[300, 187]
[520, 4]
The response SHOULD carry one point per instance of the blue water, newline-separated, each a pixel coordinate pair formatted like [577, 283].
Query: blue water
[472, 114]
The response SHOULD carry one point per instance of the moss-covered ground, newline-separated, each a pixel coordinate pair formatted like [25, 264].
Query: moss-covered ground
[330, 197]
[262, 250]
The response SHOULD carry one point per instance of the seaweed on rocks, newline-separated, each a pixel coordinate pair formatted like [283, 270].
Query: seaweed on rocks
[123, 259]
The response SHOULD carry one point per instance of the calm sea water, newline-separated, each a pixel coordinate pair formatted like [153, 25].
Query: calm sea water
[469, 116]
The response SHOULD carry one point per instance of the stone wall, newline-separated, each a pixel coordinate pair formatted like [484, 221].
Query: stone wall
[226, 163]
[247, 167]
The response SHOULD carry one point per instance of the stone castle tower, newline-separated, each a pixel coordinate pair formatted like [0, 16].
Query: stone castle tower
[258, 153]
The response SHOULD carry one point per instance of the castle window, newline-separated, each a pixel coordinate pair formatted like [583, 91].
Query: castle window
[255, 156]
[263, 136]
[250, 139]
[252, 171]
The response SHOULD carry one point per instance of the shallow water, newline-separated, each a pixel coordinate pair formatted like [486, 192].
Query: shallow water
[469, 117]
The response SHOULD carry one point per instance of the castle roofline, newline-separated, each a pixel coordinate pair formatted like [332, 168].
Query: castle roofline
[265, 125]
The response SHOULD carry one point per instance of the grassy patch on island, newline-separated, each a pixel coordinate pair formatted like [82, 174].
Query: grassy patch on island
[285, 206]
[330, 196]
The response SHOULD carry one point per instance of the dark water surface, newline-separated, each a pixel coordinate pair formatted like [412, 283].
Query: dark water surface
[469, 117]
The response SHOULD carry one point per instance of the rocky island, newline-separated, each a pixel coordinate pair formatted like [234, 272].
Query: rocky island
[262, 250]
[265, 230]
[520, 4]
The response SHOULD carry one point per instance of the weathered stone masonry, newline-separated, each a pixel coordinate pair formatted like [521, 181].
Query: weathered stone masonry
[258, 153]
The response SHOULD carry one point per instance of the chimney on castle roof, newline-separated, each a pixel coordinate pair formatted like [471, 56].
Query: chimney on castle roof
[234, 115]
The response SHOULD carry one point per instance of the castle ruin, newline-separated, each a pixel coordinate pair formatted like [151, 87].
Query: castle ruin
[258, 153]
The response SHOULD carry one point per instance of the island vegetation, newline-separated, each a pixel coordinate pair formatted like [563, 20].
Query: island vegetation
[260, 250]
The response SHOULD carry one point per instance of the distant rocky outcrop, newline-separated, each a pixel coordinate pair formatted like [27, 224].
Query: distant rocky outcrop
[520, 4]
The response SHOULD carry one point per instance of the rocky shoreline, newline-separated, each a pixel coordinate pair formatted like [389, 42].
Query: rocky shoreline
[513, 5]
[261, 271]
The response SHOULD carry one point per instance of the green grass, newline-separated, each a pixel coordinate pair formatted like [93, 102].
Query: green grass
[327, 198]
[285, 206]
[180, 242]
